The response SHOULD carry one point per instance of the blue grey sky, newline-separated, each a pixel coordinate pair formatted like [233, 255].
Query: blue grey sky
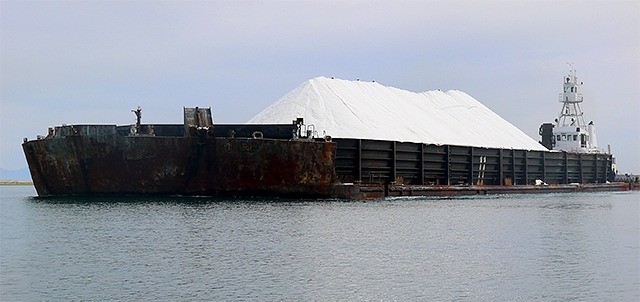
[72, 62]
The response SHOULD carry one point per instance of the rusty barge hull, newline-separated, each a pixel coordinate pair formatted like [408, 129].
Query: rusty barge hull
[96, 159]
[199, 158]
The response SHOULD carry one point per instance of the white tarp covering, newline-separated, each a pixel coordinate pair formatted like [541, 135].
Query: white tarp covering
[368, 110]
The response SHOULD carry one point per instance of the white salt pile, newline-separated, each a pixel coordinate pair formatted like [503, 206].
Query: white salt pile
[368, 110]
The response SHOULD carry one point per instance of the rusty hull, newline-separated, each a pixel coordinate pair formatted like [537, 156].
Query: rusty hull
[108, 163]
[266, 160]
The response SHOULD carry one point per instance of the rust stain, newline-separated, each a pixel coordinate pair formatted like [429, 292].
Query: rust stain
[188, 165]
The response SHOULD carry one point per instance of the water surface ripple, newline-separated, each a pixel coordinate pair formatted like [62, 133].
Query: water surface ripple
[546, 247]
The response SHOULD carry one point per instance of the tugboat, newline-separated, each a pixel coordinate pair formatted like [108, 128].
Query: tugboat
[570, 132]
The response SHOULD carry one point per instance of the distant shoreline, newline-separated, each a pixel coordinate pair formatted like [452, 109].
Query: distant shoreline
[16, 182]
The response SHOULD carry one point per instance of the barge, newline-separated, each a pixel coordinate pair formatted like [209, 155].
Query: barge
[190, 159]
[200, 158]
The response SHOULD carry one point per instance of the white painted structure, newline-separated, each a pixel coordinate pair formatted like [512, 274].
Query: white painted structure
[570, 131]
[369, 110]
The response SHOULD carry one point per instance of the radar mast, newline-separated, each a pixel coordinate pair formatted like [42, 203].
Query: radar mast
[571, 113]
[570, 131]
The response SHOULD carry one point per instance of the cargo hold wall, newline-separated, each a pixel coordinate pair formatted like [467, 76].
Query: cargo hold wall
[383, 162]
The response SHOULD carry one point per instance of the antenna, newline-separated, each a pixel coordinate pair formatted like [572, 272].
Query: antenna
[570, 65]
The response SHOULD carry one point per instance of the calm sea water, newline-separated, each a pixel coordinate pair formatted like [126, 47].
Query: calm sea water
[547, 247]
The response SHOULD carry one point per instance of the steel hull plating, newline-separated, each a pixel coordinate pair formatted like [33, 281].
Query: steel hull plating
[175, 160]
[189, 165]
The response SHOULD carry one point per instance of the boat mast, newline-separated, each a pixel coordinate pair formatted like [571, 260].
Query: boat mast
[571, 114]
[571, 132]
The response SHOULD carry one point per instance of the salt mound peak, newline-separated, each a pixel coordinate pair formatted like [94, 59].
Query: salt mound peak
[369, 110]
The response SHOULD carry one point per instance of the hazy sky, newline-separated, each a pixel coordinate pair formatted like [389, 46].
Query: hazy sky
[72, 62]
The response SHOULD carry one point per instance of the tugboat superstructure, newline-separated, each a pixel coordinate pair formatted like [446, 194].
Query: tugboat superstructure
[570, 132]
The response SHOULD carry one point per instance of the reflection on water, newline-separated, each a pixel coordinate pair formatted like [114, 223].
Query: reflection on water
[549, 247]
